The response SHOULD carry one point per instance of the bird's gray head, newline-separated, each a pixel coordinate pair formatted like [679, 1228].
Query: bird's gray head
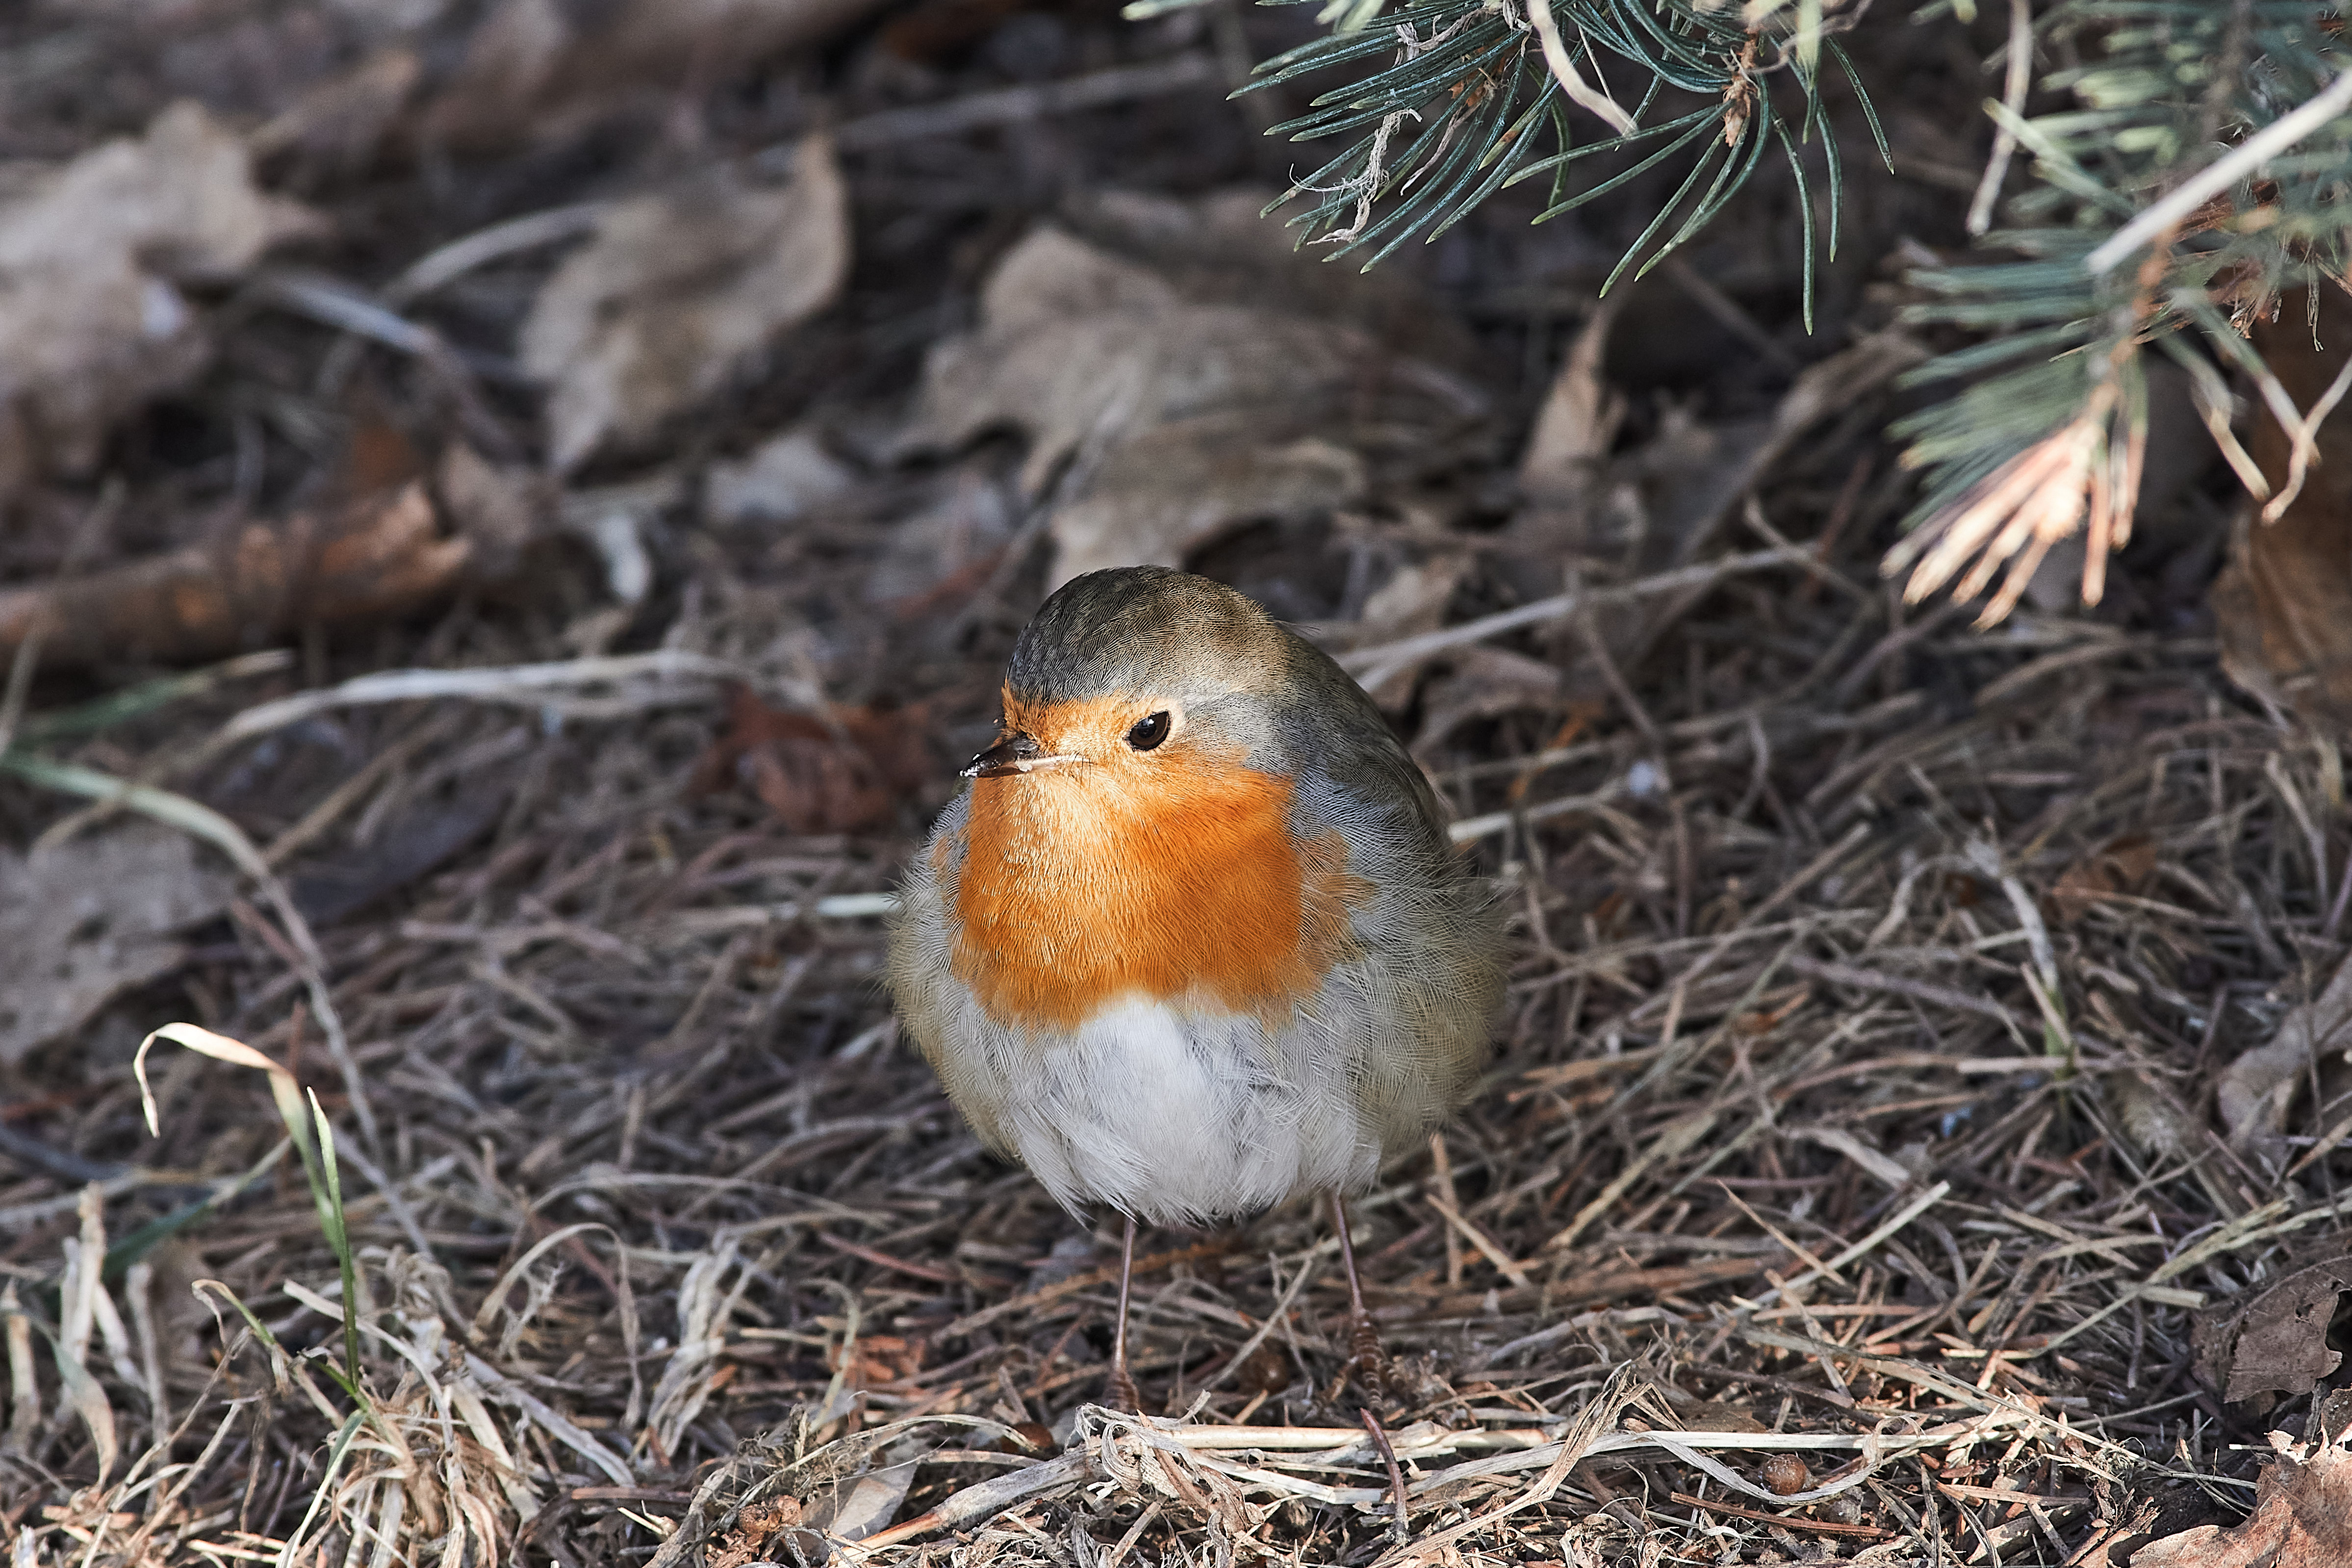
[1124, 659]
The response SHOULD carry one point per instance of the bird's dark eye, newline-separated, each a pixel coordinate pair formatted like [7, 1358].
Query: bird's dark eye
[1149, 732]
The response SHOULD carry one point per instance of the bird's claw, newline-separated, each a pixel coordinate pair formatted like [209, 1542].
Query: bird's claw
[1369, 1359]
[1122, 1393]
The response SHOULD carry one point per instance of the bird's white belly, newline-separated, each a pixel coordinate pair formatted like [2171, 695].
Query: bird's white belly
[1174, 1117]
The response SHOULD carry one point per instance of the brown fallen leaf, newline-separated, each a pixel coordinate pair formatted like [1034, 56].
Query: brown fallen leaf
[1567, 450]
[755, 1527]
[837, 772]
[2121, 866]
[879, 1358]
[92, 258]
[2277, 1342]
[2302, 1518]
[2254, 1091]
[1662, 503]
[2283, 603]
[499, 512]
[938, 558]
[380, 556]
[84, 921]
[1181, 403]
[676, 293]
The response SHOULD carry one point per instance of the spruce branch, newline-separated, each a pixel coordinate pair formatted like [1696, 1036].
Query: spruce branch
[2210, 139]
[2017, 460]
[1474, 95]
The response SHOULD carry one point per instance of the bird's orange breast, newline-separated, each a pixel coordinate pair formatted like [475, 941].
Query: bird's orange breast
[1176, 880]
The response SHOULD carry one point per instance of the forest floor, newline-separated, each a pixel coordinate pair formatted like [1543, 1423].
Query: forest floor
[615, 500]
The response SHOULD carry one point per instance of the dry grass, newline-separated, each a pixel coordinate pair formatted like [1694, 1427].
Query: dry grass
[1847, 1183]
[1849, 1114]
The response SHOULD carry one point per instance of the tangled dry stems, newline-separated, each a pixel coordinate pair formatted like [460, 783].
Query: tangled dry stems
[1857, 1118]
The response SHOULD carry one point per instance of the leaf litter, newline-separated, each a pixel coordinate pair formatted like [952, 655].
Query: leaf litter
[94, 255]
[674, 293]
[88, 919]
[1854, 1178]
[1164, 410]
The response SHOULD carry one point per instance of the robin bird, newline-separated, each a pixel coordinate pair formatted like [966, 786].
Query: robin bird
[1193, 940]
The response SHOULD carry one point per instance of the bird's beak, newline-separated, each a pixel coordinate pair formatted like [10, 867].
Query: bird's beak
[1016, 753]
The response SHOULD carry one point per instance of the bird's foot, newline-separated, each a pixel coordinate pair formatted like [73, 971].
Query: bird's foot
[1368, 1358]
[1121, 1392]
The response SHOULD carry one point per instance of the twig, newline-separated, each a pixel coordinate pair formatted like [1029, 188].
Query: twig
[1564, 71]
[2303, 438]
[973, 1502]
[508, 683]
[1272, 1320]
[1011, 105]
[2221, 174]
[437, 269]
[1917, 990]
[2004, 140]
[1863, 1248]
[1373, 665]
[1086, 1280]
[1812, 1526]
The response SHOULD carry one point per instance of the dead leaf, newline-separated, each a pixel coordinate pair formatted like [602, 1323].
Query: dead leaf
[2152, 1118]
[788, 477]
[1409, 603]
[1176, 487]
[1216, 250]
[872, 1503]
[2276, 1342]
[336, 126]
[1660, 505]
[2121, 866]
[92, 254]
[1579, 421]
[499, 511]
[1483, 682]
[2254, 1091]
[180, 201]
[420, 841]
[2283, 603]
[755, 1527]
[879, 1359]
[677, 292]
[381, 556]
[542, 68]
[937, 559]
[837, 772]
[2302, 1518]
[1182, 411]
[84, 921]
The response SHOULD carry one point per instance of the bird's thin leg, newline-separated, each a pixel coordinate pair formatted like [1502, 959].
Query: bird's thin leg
[1122, 1384]
[1371, 1363]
